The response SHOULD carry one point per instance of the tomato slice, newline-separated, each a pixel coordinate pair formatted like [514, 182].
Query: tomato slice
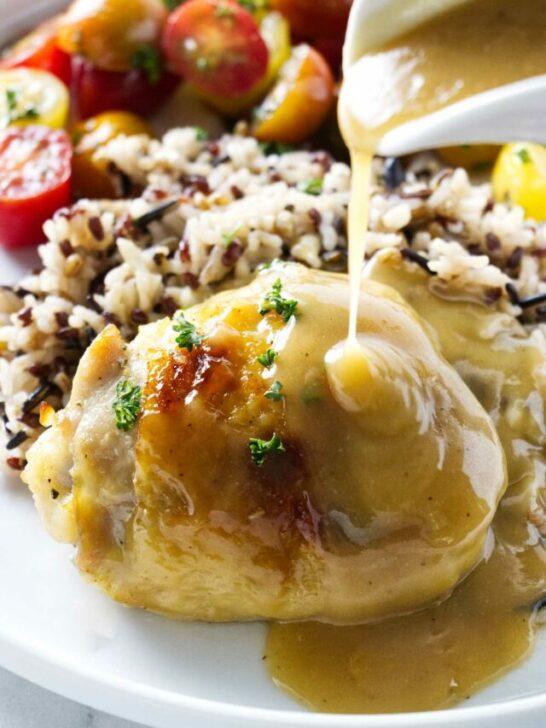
[40, 49]
[35, 174]
[90, 176]
[299, 102]
[216, 45]
[95, 91]
[30, 96]
[112, 33]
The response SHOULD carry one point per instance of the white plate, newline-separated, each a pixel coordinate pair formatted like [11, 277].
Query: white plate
[64, 635]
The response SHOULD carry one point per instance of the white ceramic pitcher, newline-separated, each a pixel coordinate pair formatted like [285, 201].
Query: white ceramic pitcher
[513, 112]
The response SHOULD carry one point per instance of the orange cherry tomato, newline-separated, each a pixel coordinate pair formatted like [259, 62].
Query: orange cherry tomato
[310, 18]
[216, 45]
[40, 49]
[90, 176]
[115, 35]
[35, 175]
[299, 102]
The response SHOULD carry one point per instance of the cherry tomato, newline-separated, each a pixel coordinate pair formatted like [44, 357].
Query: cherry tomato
[113, 34]
[310, 18]
[519, 178]
[95, 91]
[275, 31]
[299, 102]
[90, 176]
[30, 96]
[40, 49]
[216, 45]
[35, 174]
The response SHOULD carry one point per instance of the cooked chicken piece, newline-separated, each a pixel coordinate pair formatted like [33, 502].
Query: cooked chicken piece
[330, 512]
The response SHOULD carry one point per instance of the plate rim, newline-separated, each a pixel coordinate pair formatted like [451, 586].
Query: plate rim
[22, 658]
[66, 676]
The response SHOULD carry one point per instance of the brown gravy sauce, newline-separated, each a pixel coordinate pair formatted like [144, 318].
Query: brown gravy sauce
[440, 655]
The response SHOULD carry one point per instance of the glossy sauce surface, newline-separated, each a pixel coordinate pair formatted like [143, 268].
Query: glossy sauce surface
[440, 655]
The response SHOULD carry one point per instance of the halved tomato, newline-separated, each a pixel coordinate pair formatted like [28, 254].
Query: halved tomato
[90, 176]
[95, 91]
[31, 96]
[519, 178]
[299, 102]
[40, 49]
[216, 45]
[35, 174]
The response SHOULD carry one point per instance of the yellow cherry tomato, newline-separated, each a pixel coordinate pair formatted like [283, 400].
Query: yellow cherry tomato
[300, 100]
[473, 157]
[115, 35]
[30, 96]
[519, 177]
[275, 31]
[90, 176]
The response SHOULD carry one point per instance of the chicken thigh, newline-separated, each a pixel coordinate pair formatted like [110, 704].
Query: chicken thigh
[239, 487]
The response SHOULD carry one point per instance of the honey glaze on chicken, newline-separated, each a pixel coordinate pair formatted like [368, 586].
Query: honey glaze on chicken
[442, 654]
[350, 516]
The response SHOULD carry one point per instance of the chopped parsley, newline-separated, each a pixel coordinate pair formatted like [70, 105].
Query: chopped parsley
[31, 112]
[230, 236]
[274, 392]
[275, 301]
[187, 336]
[126, 405]
[147, 59]
[311, 186]
[172, 4]
[524, 155]
[259, 449]
[267, 358]
[201, 134]
[275, 148]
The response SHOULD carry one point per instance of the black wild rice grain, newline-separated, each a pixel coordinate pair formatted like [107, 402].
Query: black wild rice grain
[393, 173]
[16, 440]
[415, 257]
[37, 395]
[157, 213]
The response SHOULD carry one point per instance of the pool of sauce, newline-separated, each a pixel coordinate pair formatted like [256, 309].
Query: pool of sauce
[440, 655]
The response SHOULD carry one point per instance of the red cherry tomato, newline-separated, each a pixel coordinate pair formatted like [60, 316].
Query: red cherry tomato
[310, 18]
[216, 45]
[40, 50]
[35, 175]
[95, 91]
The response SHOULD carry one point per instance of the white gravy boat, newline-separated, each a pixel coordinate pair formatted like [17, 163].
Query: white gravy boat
[513, 112]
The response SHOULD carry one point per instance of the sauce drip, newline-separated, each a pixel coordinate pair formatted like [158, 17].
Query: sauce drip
[440, 655]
